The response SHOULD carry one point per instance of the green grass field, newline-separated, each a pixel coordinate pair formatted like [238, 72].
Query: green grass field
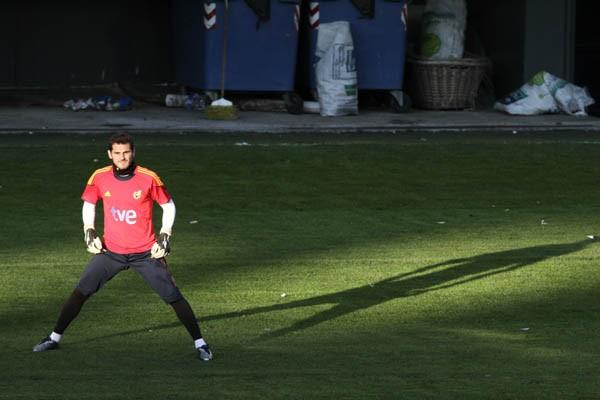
[439, 266]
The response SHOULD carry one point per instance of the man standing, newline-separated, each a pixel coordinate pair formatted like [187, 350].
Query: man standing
[128, 192]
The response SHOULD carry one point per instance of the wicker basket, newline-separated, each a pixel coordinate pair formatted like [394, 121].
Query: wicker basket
[445, 84]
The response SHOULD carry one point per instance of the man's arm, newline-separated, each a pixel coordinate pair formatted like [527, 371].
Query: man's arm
[162, 247]
[92, 241]
[168, 217]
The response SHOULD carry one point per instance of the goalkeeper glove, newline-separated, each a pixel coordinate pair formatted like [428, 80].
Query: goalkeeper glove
[162, 247]
[92, 241]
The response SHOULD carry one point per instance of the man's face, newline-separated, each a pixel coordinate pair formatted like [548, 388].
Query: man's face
[121, 155]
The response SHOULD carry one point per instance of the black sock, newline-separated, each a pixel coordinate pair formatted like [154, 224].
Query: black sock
[188, 319]
[70, 310]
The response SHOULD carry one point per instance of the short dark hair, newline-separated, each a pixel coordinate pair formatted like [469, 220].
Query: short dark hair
[120, 138]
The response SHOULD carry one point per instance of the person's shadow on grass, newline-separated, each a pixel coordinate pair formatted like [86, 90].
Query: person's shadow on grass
[426, 279]
[438, 276]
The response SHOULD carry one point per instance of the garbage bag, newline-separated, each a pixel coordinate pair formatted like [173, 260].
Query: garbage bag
[443, 29]
[546, 93]
[335, 70]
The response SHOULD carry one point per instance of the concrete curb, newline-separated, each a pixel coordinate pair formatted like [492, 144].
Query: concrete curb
[156, 119]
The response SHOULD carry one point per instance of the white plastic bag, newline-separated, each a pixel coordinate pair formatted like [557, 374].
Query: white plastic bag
[573, 99]
[335, 70]
[443, 29]
[546, 93]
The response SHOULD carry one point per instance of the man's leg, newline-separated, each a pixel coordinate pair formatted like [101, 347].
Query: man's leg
[186, 315]
[70, 310]
[68, 313]
[100, 270]
[157, 275]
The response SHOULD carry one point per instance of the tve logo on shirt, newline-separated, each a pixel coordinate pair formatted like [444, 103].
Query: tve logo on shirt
[128, 216]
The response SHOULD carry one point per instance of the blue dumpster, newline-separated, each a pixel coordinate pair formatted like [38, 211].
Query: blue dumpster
[379, 40]
[261, 55]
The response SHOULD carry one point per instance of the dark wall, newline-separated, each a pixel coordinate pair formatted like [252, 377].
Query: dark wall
[69, 43]
[587, 46]
[8, 32]
[499, 27]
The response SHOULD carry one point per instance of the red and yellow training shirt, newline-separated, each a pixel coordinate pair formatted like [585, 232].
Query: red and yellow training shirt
[127, 207]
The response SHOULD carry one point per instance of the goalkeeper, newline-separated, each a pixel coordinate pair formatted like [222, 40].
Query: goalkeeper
[128, 192]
